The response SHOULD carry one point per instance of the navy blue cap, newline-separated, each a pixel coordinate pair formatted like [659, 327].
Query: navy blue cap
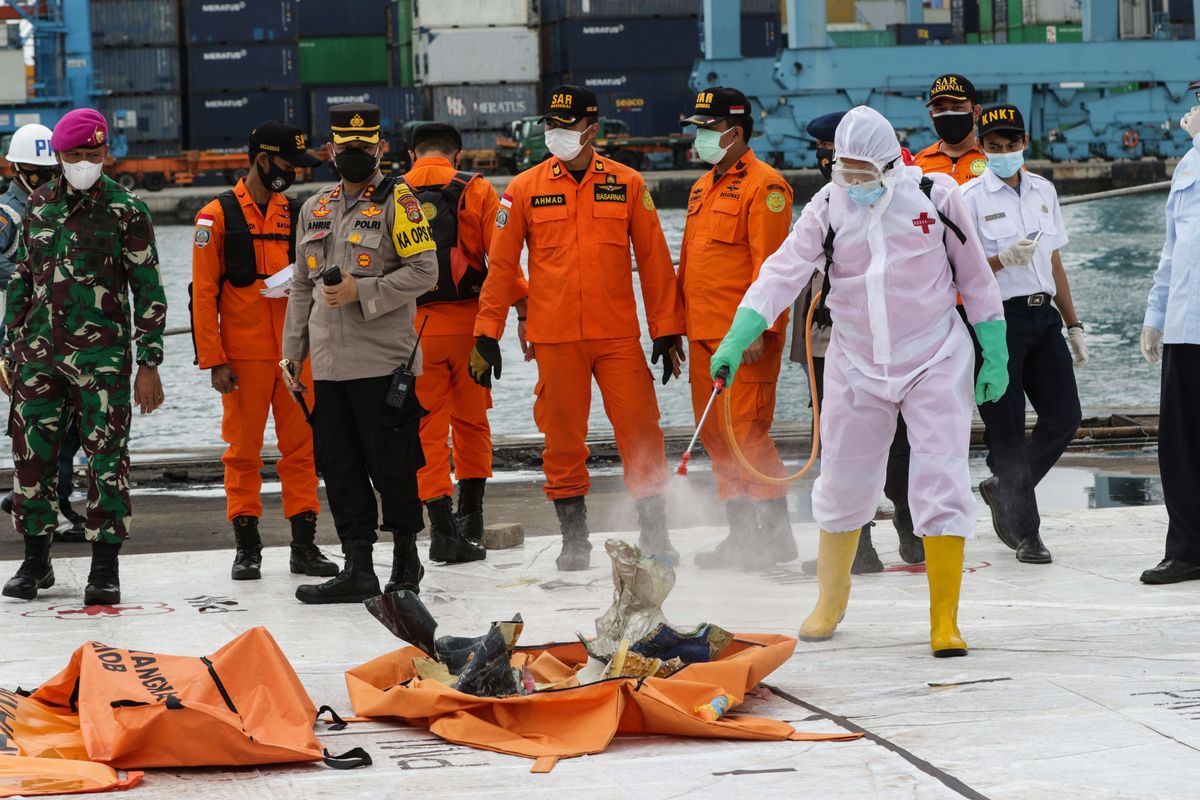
[823, 127]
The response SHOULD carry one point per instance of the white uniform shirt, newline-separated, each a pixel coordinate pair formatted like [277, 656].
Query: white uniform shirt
[1174, 302]
[1002, 217]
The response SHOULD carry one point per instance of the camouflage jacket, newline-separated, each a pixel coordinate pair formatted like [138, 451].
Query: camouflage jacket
[78, 259]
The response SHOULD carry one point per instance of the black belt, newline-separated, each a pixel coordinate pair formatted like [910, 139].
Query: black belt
[1031, 300]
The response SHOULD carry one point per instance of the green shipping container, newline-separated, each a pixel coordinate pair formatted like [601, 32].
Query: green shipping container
[344, 61]
[1043, 34]
[972, 38]
[875, 38]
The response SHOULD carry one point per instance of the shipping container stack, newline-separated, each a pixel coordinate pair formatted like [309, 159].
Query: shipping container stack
[478, 64]
[1017, 21]
[358, 51]
[637, 55]
[136, 59]
[242, 67]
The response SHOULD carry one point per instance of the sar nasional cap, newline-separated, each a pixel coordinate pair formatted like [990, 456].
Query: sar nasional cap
[715, 104]
[956, 87]
[569, 103]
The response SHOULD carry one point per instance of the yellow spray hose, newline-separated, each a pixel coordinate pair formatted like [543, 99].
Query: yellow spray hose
[755, 475]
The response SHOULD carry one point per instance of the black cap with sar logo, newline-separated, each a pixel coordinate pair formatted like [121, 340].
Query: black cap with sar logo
[953, 87]
[354, 122]
[283, 140]
[715, 104]
[568, 104]
[1001, 118]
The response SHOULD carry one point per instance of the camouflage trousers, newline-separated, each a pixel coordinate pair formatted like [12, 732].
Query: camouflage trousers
[43, 404]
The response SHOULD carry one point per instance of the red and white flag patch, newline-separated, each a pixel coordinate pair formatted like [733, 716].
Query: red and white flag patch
[506, 200]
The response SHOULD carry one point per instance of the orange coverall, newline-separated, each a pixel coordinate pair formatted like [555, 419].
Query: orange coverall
[582, 317]
[457, 405]
[733, 223]
[245, 331]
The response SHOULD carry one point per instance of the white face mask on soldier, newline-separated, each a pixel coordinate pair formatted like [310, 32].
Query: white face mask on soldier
[563, 143]
[82, 175]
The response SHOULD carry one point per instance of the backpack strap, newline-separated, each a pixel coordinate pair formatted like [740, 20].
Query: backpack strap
[821, 316]
[927, 188]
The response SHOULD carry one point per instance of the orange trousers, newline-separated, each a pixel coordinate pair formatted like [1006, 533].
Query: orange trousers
[753, 399]
[261, 390]
[457, 423]
[564, 399]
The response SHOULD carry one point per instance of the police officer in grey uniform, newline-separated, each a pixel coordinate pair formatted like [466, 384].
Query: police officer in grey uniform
[364, 255]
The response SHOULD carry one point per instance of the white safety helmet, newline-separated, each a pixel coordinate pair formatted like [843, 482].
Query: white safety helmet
[31, 145]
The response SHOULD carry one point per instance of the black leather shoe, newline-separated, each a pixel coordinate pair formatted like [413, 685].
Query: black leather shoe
[987, 490]
[1171, 570]
[247, 560]
[1032, 551]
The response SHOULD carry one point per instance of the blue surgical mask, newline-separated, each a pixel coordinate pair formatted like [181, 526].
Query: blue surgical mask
[1005, 165]
[864, 194]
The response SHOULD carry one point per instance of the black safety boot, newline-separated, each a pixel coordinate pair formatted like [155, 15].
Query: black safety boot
[104, 582]
[469, 515]
[354, 584]
[35, 571]
[912, 547]
[1032, 551]
[306, 557]
[247, 559]
[743, 534]
[777, 542]
[866, 560]
[406, 565]
[989, 490]
[74, 529]
[572, 521]
[654, 538]
[447, 545]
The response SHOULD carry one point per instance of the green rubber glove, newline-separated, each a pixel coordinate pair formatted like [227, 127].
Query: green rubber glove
[992, 382]
[747, 326]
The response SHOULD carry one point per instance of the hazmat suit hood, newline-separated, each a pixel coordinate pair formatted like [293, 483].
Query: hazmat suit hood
[866, 135]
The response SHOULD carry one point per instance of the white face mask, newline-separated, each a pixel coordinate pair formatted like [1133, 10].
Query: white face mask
[82, 175]
[563, 143]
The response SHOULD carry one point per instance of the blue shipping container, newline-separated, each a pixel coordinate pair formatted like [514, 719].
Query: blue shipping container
[208, 21]
[396, 106]
[136, 70]
[662, 81]
[644, 43]
[118, 23]
[555, 10]
[243, 66]
[649, 102]
[342, 17]
[224, 120]
[144, 118]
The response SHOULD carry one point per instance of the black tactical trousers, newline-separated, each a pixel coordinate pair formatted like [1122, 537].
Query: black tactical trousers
[1179, 449]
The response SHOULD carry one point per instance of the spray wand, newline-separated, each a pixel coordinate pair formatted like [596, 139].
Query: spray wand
[718, 385]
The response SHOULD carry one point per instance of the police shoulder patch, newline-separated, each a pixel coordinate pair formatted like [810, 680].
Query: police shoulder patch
[776, 202]
[203, 236]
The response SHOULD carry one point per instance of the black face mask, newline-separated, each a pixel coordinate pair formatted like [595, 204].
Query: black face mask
[275, 178]
[825, 161]
[35, 178]
[355, 166]
[954, 126]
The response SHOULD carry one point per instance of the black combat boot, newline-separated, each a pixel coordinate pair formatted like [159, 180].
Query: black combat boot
[572, 521]
[447, 545]
[306, 558]
[407, 571]
[469, 515]
[912, 547]
[866, 560]
[743, 533]
[104, 582]
[247, 560]
[778, 543]
[354, 584]
[655, 539]
[35, 571]
[74, 529]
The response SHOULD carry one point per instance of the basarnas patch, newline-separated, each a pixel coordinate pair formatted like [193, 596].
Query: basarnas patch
[647, 200]
[776, 201]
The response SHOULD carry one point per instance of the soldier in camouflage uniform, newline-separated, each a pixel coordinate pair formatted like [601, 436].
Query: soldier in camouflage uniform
[86, 244]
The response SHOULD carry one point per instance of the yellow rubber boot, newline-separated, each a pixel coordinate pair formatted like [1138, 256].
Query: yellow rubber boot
[944, 568]
[835, 555]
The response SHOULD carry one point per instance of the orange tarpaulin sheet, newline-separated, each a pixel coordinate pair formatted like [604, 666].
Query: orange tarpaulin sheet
[29, 777]
[577, 720]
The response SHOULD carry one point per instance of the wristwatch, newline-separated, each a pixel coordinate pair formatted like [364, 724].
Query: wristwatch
[1076, 325]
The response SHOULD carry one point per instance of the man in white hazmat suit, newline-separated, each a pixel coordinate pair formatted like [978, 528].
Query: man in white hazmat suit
[901, 248]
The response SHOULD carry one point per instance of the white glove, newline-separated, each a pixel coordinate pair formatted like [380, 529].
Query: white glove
[1078, 345]
[1019, 254]
[1152, 344]
[1190, 122]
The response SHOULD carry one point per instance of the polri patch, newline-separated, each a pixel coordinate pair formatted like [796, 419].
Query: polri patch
[412, 209]
[611, 193]
[539, 200]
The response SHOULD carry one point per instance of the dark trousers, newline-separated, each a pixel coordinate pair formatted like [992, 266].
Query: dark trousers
[1179, 449]
[1040, 368]
[360, 442]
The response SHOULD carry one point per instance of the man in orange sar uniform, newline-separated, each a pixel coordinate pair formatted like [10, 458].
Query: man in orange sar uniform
[242, 237]
[739, 213]
[578, 212]
[461, 210]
